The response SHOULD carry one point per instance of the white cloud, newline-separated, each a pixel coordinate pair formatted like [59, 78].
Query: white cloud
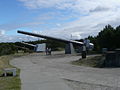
[76, 35]
[92, 16]
[13, 26]
[34, 4]
[82, 5]
[11, 38]
[2, 32]
[99, 9]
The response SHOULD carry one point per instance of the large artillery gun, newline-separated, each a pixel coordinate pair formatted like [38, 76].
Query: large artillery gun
[69, 48]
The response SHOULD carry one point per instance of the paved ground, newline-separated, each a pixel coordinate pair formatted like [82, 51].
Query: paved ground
[41, 72]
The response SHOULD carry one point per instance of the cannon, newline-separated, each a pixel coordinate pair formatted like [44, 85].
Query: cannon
[37, 47]
[69, 49]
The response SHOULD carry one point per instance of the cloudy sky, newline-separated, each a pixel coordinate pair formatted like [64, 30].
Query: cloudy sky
[59, 18]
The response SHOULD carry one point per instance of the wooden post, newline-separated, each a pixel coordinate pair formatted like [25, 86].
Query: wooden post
[83, 51]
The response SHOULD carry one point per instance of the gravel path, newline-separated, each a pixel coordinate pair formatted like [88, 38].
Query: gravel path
[41, 72]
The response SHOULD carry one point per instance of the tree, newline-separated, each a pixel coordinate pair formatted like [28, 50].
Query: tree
[117, 37]
[106, 38]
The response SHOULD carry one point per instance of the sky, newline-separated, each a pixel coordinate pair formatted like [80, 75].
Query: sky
[69, 19]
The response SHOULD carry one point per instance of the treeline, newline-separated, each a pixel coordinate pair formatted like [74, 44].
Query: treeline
[109, 38]
[7, 48]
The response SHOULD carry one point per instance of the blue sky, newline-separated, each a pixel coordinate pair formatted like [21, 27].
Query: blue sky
[59, 18]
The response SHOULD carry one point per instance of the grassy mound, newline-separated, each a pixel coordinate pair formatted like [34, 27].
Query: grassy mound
[91, 61]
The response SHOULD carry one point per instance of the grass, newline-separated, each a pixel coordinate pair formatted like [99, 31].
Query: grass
[92, 61]
[9, 82]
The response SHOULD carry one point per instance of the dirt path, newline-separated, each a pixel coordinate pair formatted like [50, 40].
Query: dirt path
[40, 72]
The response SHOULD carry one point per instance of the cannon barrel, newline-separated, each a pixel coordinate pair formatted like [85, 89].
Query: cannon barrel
[28, 44]
[49, 37]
